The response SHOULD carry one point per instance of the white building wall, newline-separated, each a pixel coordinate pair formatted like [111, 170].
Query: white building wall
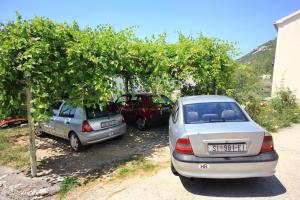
[287, 58]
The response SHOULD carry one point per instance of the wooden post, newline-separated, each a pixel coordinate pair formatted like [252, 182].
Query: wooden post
[126, 84]
[31, 133]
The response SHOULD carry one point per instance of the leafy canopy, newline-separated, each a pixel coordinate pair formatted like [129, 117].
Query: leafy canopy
[59, 60]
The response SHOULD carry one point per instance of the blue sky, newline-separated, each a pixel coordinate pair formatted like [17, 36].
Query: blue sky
[247, 22]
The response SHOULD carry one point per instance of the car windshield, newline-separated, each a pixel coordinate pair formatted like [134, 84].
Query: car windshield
[98, 112]
[161, 100]
[213, 112]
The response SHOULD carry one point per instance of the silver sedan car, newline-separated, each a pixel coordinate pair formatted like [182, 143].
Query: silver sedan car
[213, 137]
[83, 126]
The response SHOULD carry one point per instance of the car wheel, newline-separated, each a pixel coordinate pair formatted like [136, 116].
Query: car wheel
[39, 132]
[141, 124]
[174, 170]
[75, 142]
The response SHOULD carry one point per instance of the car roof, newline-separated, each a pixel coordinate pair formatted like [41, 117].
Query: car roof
[204, 99]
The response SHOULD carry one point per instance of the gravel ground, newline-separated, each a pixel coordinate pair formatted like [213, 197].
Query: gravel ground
[57, 161]
[14, 185]
[100, 158]
[284, 185]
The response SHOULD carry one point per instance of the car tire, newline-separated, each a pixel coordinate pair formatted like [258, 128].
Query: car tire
[75, 142]
[174, 170]
[38, 132]
[141, 124]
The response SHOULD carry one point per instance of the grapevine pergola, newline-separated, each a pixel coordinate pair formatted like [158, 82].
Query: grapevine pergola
[42, 61]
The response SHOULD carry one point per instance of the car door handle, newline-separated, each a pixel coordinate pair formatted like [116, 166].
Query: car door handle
[51, 120]
[67, 122]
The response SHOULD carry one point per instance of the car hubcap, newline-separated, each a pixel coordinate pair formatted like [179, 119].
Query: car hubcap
[74, 142]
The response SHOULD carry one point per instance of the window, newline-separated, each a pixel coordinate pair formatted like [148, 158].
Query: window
[213, 112]
[98, 112]
[122, 99]
[135, 100]
[72, 112]
[161, 100]
[175, 113]
[56, 105]
[167, 100]
[66, 111]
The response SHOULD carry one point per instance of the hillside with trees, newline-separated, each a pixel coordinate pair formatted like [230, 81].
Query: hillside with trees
[260, 62]
[261, 58]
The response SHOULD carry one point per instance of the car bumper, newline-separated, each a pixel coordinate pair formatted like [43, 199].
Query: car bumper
[101, 135]
[262, 165]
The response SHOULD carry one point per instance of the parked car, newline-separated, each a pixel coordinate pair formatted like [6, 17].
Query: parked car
[145, 110]
[14, 123]
[84, 126]
[213, 137]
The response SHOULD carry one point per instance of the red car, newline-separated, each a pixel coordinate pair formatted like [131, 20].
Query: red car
[14, 123]
[145, 110]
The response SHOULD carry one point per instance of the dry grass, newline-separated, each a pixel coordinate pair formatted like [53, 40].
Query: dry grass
[12, 153]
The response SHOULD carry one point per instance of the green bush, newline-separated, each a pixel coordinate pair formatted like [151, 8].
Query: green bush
[284, 99]
[253, 104]
[281, 111]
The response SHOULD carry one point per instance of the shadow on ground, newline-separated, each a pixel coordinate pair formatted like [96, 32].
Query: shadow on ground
[100, 158]
[250, 187]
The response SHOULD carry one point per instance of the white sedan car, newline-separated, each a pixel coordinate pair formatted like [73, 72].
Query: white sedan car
[213, 137]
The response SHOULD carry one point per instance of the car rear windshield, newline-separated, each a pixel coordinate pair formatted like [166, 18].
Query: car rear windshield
[213, 112]
[104, 111]
[161, 100]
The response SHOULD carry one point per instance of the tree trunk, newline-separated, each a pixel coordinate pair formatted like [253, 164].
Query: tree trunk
[31, 133]
[126, 84]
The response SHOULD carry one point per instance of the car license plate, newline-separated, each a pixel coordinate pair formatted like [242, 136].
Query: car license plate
[237, 147]
[109, 124]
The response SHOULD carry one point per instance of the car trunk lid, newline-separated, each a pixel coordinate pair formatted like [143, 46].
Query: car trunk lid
[106, 122]
[225, 139]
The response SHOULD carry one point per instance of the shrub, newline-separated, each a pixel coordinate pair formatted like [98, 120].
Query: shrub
[284, 99]
[281, 111]
[253, 105]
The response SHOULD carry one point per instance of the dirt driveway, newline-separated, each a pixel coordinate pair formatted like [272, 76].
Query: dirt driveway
[56, 157]
[284, 185]
[57, 161]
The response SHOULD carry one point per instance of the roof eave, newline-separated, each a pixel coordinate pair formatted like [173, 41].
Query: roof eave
[276, 26]
[286, 18]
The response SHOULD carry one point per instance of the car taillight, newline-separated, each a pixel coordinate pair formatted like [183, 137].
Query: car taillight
[184, 146]
[86, 127]
[267, 144]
